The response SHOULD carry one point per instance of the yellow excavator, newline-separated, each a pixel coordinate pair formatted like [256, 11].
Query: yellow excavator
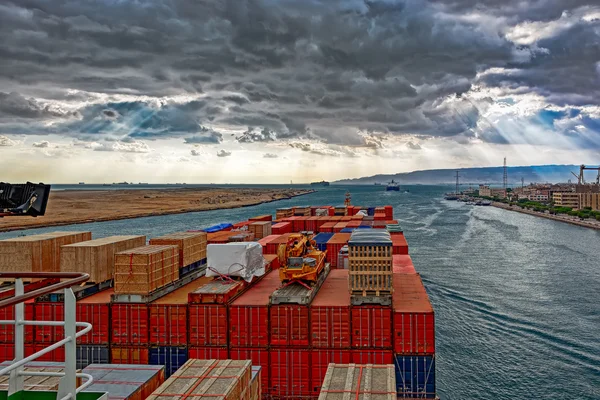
[300, 260]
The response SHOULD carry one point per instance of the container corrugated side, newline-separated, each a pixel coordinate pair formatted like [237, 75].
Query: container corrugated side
[330, 313]
[320, 360]
[413, 317]
[129, 355]
[249, 314]
[290, 373]
[130, 324]
[289, 325]
[371, 327]
[258, 357]
[415, 376]
[171, 357]
[96, 311]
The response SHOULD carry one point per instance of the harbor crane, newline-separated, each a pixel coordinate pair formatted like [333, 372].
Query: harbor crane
[580, 177]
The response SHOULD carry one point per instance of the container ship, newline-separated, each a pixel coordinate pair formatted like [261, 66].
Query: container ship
[276, 307]
[322, 183]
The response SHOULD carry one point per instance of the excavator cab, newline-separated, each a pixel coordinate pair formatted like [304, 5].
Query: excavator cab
[28, 199]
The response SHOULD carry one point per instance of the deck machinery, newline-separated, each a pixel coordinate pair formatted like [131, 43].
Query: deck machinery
[300, 260]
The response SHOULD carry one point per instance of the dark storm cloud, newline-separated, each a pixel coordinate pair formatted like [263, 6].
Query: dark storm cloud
[314, 69]
[257, 135]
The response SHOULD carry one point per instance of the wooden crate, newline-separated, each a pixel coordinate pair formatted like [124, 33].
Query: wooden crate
[97, 257]
[373, 382]
[370, 269]
[192, 245]
[37, 253]
[284, 213]
[302, 211]
[207, 379]
[145, 269]
[37, 383]
[260, 229]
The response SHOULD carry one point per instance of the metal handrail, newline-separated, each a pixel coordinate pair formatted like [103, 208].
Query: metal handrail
[67, 389]
[75, 278]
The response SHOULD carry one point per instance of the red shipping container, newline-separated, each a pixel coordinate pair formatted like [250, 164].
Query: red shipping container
[208, 353]
[264, 241]
[57, 355]
[7, 332]
[311, 224]
[373, 357]
[402, 264]
[49, 311]
[347, 218]
[259, 357]
[334, 245]
[273, 245]
[241, 224]
[371, 327]
[330, 313]
[249, 314]
[281, 228]
[289, 325]
[261, 218]
[320, 360]
[208, 324]
[299, 224]
[129, 324]
[331, 211]
[169, 318]
[353, 224]
[414, 321]
[7, 352]
[391, 222]
[327, 227]
[389, 212]
[400, 246]
[272, 259]
[320, 222]
[96, 310]
[339, 226]
[129, 355]
[290, 373]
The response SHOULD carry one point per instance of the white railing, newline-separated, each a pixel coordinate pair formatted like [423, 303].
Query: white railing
[67, 388]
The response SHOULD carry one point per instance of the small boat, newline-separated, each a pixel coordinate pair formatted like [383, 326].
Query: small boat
[486, 203]
[393, 186]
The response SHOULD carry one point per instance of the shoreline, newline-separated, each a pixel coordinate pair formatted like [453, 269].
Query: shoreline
[32, 224]
[567, 220]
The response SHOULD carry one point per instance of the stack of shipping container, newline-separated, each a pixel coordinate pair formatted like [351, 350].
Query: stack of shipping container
[207, 318]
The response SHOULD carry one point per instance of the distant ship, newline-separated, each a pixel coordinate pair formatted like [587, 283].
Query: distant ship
[322, 183]
[393, 186]
[82, 183]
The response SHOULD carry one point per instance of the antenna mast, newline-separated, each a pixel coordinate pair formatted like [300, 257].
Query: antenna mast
[505, 177]
[457, 184]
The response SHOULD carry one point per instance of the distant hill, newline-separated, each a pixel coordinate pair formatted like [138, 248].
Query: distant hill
[489, 175]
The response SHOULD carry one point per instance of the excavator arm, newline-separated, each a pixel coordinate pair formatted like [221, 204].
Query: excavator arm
[29, 199]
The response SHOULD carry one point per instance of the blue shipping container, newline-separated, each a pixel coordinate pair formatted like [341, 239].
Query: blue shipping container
[347, 230]
[371, 211]
[415, 376]
[321, 240]
[364, 227]
[171, 357]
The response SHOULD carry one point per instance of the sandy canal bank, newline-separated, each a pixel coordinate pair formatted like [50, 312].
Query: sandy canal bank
[562, 217]
[75, 207]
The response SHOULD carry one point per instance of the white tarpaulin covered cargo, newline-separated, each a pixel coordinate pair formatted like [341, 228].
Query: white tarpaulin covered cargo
[243, 259]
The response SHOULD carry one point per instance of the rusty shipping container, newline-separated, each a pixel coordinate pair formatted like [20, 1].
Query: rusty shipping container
[330, 313]
[138, 355]
[249, 314]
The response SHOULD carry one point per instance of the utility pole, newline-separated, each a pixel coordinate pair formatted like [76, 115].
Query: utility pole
[457, 184]
[505, 178]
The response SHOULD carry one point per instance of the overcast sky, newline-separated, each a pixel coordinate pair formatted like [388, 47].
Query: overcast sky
[268, 91]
